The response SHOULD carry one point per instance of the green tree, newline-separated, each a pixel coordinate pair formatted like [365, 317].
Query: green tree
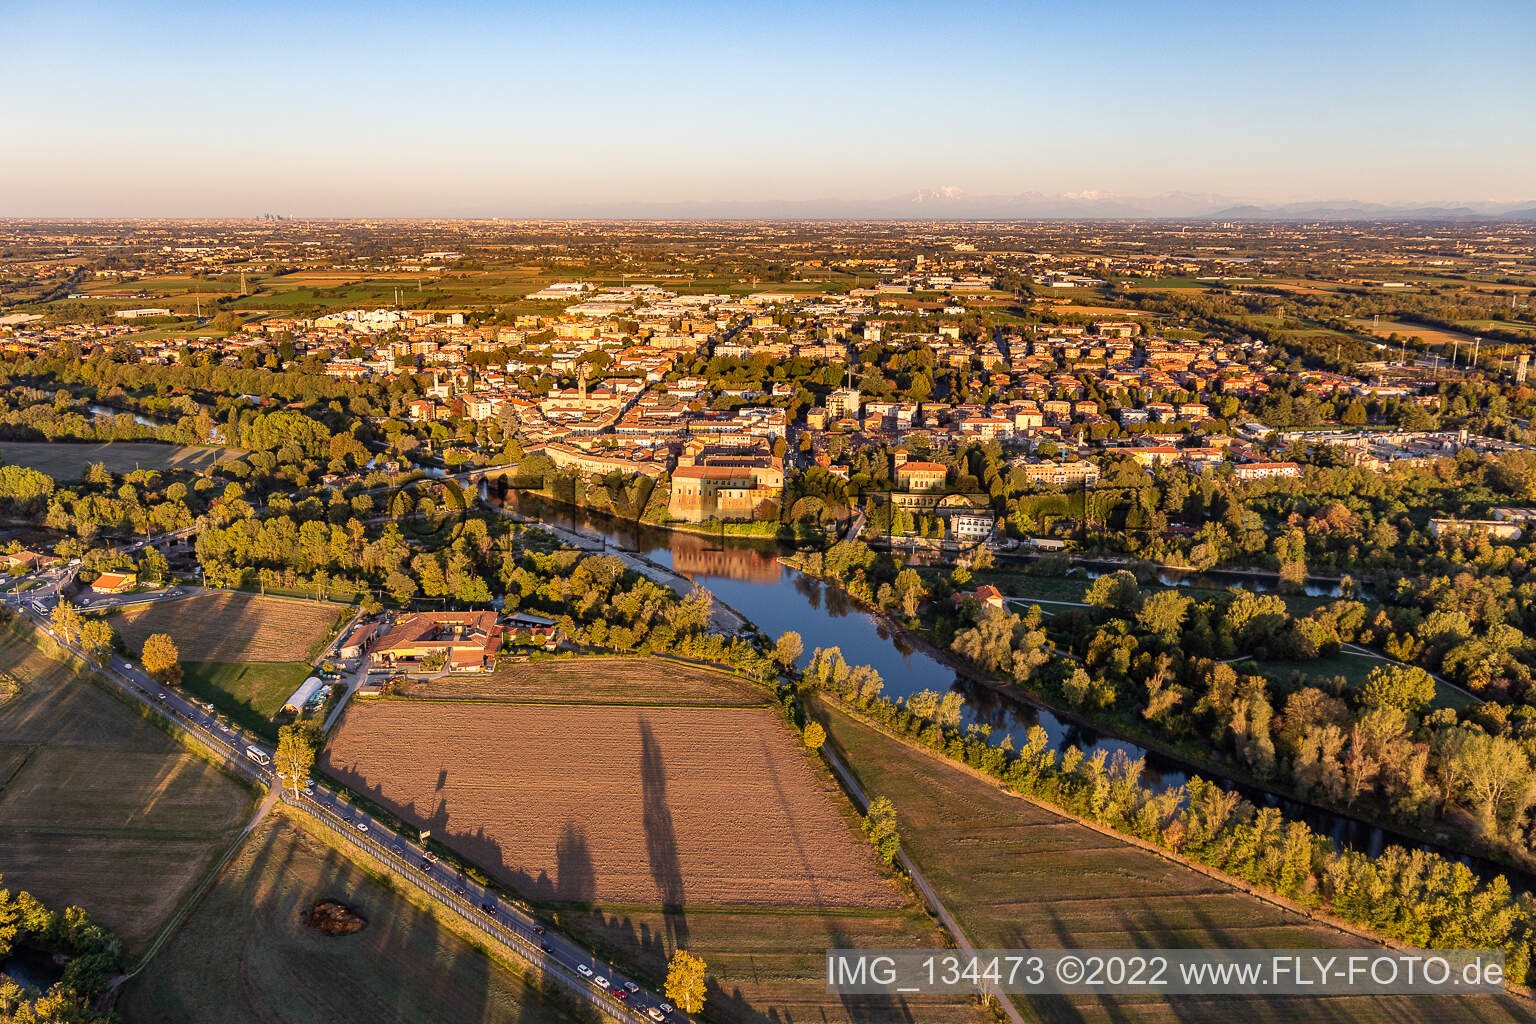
[788, 649]
[96, 637]
[1163, 614]
[66, 622]
[1407, 687]
[161, 658]
[686, 981]
[295, 755]
[1115, 593]
[880, 826]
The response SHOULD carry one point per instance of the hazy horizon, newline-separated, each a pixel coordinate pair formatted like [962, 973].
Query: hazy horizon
[487, 111]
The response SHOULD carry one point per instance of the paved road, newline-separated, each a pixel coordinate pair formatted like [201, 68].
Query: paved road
[519, 932]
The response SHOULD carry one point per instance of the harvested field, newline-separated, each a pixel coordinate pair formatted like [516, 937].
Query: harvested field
[97, 806]
[225, 626]
[248, 953]
[1018, 875]
[581, 803]
[64, 461]
[770, 965]
[600, 680]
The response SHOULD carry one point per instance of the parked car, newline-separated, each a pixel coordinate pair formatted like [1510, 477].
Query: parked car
[584, 970]
[600, 981]
[666, 1007]
[362, 826]
[619, 993]
[654, 1014]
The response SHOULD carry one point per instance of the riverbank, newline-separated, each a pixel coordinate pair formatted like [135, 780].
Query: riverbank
[1492, 860]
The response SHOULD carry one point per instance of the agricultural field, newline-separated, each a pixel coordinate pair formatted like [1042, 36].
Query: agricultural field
[247, 953]
[644, 830]
[98, 807]
[1019, 875]
[578, 804]
[68, 461]
[770, 965]
[227, 626]
[1430, 335]
[598, 680]
[242, 653]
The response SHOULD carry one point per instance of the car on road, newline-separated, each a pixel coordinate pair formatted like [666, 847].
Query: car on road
[600, 982]
[459, 890]
[584, 970]
[430, 857]
[619, 993]
[538, 929]
[631, 987]
[654, 1014]
[544, 946]
[362, 826]
[424, 866]
[489, 908]
[161, 695]
[666, 1007]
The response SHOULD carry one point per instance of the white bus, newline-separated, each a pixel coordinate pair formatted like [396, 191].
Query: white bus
[258, 755]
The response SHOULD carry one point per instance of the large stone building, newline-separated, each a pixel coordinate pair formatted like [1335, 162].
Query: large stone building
[736, 490]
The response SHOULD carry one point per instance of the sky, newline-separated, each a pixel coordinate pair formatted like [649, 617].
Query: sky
[501, 109]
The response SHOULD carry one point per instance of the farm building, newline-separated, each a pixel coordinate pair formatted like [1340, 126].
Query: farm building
[114, 582]
[311, 692]
[468, 641]
[359, 640]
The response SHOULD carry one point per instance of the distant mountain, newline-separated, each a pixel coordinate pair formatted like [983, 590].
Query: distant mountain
[951, 203]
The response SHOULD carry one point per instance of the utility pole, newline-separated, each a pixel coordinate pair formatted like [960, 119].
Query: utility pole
[1476, 344]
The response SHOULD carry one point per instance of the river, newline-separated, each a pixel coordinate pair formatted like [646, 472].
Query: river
[748, 576]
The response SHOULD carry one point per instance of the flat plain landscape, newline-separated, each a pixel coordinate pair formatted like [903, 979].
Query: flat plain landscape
[597, 679]
[579, 804]
[247, 953]
[68, 461]
[98, 807]
[1017, 875]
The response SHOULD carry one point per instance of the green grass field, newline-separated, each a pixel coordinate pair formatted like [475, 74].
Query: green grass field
[98, 807]
[64, 461]
[249, 693]
[1354, 668]
[1017, 875]
[246, 953]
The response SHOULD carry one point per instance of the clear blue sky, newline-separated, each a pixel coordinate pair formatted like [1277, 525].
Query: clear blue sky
[500, 109]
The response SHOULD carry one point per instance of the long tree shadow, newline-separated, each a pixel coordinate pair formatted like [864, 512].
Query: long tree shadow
[661, 837]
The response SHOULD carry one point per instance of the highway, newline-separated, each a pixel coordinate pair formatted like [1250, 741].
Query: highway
[559, 956]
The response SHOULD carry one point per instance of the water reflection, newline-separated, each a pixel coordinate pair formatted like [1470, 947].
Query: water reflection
[748, 577]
